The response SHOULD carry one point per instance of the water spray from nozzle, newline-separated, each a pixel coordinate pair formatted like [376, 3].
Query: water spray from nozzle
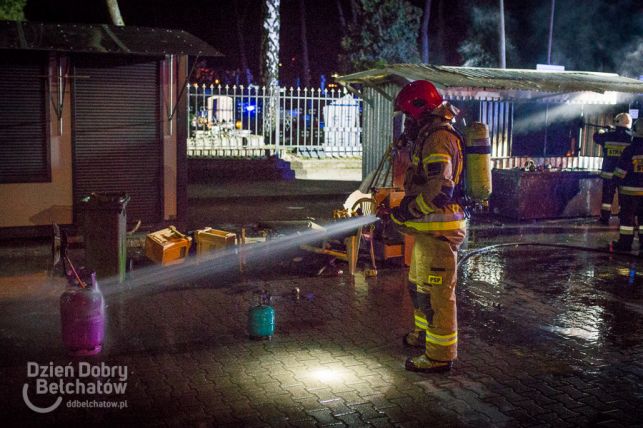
[227, 260]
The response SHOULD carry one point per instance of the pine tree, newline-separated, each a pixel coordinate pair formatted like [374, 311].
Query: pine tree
[603, 37]
[385, 32]
[480, 48]
[12, 10]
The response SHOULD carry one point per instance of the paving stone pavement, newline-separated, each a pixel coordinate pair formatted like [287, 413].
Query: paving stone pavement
[548, 337]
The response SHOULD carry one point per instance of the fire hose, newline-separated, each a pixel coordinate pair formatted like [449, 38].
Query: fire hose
[593, 125]
[486, 249]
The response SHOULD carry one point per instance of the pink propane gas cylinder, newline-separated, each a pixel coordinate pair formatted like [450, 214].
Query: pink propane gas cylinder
[82, 314]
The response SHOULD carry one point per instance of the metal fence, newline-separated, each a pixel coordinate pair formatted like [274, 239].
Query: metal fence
[592, 163]
[253, 121]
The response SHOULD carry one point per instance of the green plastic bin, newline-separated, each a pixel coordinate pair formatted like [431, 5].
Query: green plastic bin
[105, 233]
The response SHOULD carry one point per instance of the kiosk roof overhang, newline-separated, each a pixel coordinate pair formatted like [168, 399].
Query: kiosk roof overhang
[101, 38]
[496, 83]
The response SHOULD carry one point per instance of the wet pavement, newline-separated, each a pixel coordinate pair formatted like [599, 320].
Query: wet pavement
[550, 335]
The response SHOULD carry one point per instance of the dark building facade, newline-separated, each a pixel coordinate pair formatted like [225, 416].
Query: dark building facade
[93, 108]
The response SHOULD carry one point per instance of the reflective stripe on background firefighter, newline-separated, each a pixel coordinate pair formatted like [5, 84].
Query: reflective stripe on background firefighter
[613, 142]
[628, 176]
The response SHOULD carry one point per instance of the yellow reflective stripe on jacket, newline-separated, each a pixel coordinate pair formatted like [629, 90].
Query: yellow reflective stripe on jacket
[632, 191]
[436, 157]
[620, 173]
[614, 149]
[431, 225]
[626, 230]
[421, 322]
[423, 206]
[441, 340]
[606, 174]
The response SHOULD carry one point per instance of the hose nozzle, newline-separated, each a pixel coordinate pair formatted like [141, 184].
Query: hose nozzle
[383, 212]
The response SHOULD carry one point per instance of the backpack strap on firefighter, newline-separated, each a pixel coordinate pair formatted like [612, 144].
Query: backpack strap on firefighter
[473, 187]
[458, 192]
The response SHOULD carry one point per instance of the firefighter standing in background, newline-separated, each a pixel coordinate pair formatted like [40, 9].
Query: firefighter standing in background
[430, 212]
[613, 142]
[628, 176]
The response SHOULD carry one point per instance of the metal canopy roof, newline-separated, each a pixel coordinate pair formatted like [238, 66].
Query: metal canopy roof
[101, 38]
[447, 77]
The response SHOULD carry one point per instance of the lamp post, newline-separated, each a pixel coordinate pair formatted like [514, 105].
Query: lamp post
[551, 30]
[501, 29]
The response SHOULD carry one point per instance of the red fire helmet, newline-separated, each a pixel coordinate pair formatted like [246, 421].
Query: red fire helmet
[416, 98]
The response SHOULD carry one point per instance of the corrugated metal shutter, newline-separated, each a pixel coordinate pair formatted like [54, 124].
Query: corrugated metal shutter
[378, 125]
[117, 143]
[24, 148]
[498, 116]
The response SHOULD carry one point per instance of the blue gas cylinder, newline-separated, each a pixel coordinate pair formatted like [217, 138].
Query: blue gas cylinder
[261, 319]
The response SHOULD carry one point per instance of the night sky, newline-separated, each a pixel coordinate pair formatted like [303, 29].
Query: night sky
[214, 22]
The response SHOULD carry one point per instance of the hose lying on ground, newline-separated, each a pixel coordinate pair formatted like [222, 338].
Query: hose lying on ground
[541, 244]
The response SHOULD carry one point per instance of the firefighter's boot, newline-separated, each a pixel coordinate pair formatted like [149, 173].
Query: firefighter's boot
[624, 244]
[424, 364]
[415, 339]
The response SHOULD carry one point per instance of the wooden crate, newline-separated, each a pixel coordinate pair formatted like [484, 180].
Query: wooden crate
[209, 239]
[167, 246]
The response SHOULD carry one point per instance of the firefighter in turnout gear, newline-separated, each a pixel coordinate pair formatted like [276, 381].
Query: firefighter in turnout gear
[431, 213]
[613, 142]
[628, 176]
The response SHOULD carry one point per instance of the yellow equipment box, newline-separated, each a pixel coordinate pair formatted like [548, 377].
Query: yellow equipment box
[209, 239]
[167, 246]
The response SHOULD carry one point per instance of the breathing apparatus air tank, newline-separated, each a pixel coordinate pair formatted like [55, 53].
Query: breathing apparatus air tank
[82, 316]
[477, 162]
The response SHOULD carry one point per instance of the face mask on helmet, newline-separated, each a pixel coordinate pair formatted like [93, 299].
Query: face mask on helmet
[445, 111]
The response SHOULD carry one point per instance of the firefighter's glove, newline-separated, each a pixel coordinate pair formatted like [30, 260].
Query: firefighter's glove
[407, 210]
[401, 142]
[383, 212]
